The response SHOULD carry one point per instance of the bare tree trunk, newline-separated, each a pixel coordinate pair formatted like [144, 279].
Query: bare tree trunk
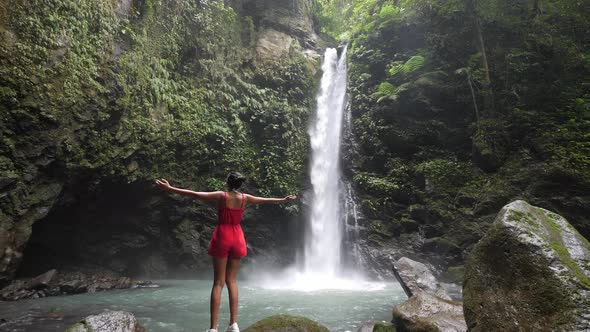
[474, 99]
[537, 8]
[488, 95]
[482, 49]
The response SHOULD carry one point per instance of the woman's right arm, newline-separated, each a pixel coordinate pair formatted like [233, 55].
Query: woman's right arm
[204, 196]
[263, 200]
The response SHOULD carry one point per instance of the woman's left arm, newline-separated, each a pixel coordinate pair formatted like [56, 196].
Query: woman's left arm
[204, 196]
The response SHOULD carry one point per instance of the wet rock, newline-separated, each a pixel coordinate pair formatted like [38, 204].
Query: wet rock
[286, 323]
[54, 283]
[367, 327]
[416, 277]
[145, 284]
[530, 272]
[384, 327]
[108, 321]
[428, 312]
[42, 281]
[25, 288]
[14, 291]
[73, 287]
[377, 327]
[429, 307]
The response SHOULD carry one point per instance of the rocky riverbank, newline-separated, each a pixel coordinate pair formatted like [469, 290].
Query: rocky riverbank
[52, 283]
[429, 307]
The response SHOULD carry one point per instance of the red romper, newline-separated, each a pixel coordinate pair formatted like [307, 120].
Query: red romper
[228, 239]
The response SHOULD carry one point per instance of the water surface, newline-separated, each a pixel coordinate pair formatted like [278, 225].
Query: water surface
[183, 305]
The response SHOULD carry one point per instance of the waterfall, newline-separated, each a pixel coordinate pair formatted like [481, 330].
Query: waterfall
[324, 238]
[333, 219]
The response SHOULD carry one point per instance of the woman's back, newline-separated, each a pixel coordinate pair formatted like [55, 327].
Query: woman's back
[233, 200]
[230, 209]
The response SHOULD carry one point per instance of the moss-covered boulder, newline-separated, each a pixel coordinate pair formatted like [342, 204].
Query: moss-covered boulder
[531, 272]
[286, 323]
[108, 321]
[384, 327]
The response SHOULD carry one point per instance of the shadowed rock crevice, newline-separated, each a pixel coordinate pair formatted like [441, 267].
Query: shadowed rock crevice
[136, 230]
[128, 229]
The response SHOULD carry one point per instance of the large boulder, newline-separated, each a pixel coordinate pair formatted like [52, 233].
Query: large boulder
[286, 323]
[429, 307]
[108, 321]
[425, 312]
[530, 272]
[416, 277]
[43, 280]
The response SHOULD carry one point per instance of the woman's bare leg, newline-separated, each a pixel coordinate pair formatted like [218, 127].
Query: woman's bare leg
[232, 287]
[219, 266]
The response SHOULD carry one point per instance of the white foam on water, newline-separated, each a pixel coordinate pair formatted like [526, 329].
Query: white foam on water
[292, 279]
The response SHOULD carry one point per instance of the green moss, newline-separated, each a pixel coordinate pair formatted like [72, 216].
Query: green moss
[565, 257]
[527, 217]
[555, 226]
[172, 90]
[519, 278]
[384, 327]
[455, 274]
[79, 327]
[286, 323]
[378, 227]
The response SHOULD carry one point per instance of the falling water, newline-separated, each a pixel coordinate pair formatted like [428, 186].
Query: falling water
[323, 242]
[332, 205]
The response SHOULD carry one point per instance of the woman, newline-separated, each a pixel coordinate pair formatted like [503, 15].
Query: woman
[227, 244]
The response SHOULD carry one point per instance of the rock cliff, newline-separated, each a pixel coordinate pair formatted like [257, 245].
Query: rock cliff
[98, 98]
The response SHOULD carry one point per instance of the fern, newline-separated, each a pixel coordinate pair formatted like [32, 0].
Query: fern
[413, 64]
[385, 90]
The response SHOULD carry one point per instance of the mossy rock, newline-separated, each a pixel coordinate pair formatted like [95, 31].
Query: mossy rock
[108, 321]
[79, 327]
[384, 327]
[529, 273]
[490, 146]
[286, 323]
[454, 274]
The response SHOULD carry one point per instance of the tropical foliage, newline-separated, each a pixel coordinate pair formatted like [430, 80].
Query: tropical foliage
[480, 101]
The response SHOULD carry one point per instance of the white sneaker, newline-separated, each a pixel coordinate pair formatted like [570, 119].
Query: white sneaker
[233, 328]
[212, 330]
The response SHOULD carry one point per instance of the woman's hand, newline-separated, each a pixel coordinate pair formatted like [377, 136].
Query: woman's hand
[163, 184]
[290, 198]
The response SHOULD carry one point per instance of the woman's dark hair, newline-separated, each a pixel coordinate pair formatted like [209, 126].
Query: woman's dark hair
[235, 180]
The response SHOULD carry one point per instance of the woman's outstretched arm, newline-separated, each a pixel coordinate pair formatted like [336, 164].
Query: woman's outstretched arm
[204, 196]
[263, 200]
